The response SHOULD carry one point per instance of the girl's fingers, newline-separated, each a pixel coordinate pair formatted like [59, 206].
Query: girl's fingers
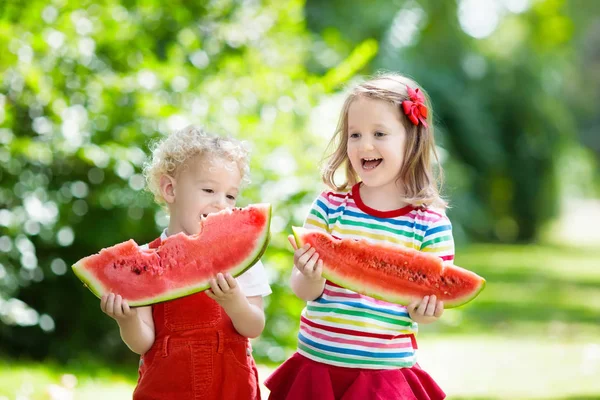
[313, 260]
[430, 310]
[319, 268]
[292, 242]
[439, 309]
[309, 268]
[423, 306]
[300, 252]
[303, 259]
[412, 306]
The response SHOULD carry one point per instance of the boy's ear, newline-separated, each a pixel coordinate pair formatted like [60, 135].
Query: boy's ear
[167, 188]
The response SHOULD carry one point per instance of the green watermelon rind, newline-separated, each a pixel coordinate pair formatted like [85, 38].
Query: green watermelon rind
[79, 269]
[389, 296]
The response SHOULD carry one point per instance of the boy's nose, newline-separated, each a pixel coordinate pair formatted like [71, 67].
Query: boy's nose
[221, 203]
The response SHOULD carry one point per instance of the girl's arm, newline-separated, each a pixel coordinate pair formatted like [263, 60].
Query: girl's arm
[438, 241]
[246, 313]
[135, 324]
[306, 280]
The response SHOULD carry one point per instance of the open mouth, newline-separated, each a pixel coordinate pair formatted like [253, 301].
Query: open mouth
[371, 163]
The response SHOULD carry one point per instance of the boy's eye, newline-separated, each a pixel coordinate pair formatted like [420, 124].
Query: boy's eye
[379, 134]
[230, 197]
[355, 135]
[208, 190]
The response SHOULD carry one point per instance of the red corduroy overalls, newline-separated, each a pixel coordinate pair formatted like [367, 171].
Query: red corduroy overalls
[197, 354]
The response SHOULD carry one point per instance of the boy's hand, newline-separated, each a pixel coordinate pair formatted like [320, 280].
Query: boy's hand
[225, 290]
[115, 307]
[426, 311]
[306, 260]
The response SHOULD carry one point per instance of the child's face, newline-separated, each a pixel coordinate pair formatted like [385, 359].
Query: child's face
[204, 185]
[376, 141]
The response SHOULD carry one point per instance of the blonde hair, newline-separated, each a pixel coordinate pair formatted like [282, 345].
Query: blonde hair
[421, 187]
[172, 152]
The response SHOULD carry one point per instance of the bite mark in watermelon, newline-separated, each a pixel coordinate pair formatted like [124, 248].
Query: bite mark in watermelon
[230, 241]
[391, 273]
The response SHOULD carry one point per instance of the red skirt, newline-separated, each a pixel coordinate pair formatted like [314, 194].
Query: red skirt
[300, 378]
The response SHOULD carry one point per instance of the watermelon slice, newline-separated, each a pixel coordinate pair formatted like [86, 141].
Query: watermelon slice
[228, 241]
[394, 274]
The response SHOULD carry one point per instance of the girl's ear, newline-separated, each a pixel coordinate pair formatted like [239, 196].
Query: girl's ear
[167, 188]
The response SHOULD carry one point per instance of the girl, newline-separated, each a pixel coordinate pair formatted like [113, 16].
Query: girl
[352, 346]
[196, 347]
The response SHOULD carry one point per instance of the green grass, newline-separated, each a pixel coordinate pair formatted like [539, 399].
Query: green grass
[531, 291]
[533, 333]
[37, 381]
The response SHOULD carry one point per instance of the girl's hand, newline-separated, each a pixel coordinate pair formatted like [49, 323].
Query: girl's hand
[426, 311]
[115, 307]
[306, 260]
[225, 290]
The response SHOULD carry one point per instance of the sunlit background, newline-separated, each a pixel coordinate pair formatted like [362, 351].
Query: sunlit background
[515, 84]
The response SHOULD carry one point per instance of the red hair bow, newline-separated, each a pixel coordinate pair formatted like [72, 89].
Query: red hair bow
[415, 108]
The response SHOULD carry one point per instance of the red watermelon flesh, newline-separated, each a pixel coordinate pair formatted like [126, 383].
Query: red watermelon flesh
[391, 273]
[229, 241]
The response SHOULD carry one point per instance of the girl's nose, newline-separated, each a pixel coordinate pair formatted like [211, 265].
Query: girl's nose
[366, 144]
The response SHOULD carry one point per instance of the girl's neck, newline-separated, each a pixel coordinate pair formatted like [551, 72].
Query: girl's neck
[382, 198]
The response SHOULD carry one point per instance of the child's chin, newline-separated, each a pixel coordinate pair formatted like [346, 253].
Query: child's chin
[192, 231]
[370, 181]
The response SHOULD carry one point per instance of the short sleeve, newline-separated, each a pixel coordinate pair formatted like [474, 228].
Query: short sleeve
[438, 239]
[254, 281]
[318, 215]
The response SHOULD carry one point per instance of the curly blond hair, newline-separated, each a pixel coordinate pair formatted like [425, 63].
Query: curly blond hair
[420, 184]
[172, 152]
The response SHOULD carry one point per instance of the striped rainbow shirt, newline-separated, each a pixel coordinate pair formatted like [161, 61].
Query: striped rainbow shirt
[348, 329]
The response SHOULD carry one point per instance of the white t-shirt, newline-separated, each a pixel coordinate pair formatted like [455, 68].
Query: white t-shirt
[253, 282]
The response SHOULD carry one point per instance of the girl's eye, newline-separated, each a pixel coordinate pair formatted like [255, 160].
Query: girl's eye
[379, 134]
[208, 190]
[355, 135]
[230, 197]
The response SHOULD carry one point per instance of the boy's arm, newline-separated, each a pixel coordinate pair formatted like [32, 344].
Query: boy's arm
[248, 318]
[135, 324]
[246, 313]
[138, 333]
